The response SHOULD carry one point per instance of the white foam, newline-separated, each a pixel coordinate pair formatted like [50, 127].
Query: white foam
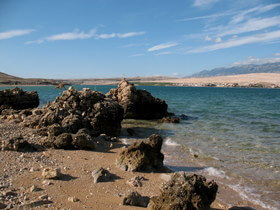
[246, 194]
[170, 142]
[215, 172]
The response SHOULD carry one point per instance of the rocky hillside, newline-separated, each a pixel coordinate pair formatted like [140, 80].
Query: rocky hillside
[6, 79]
[244, 69]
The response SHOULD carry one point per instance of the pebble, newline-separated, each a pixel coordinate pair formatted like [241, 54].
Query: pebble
[73, 199]
[43, 197]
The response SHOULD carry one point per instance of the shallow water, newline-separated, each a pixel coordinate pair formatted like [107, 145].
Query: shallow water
[234, 131]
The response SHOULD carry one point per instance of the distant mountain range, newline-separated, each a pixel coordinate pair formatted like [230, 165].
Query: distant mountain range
[244, 69]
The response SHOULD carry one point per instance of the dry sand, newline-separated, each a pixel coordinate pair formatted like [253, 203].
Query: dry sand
[19, 171]
[241, 79]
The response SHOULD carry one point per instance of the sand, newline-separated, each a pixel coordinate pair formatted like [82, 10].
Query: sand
[241, 79]
[20, 171]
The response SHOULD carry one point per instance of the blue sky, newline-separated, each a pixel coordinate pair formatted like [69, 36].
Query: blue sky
[113, 38]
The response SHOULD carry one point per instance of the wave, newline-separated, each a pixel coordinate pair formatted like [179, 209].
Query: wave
[246, 194]
[215, 172]
[169, 142]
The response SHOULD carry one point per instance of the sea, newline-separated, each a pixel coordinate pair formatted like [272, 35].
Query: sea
[229, 134]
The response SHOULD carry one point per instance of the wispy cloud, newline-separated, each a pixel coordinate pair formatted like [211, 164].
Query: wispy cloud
[254, 60]
[14, 33]
[242, 15]
[201, 3]
[119, 35]
[65, 36]
[162, 46]
[213, 16]
[72, 35]
[259, 38]
[254, 24]
[83, 35]
[164, 53]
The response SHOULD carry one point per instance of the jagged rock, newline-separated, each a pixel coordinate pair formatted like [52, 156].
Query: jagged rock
[18, 144]
[73, 199]
[142, 156]
[18, 99]
[135, 199]
[83, 140]
[185, 192]
[51, 173]
[73, 111]
[101, 175]
[138, 104]
[136, 181]
[170, 120]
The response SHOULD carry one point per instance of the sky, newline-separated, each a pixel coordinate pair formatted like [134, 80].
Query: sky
[124, 38]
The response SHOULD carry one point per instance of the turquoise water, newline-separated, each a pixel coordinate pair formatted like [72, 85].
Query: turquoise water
[235, 131]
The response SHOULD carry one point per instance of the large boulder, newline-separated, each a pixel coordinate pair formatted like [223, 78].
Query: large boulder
[182, 191]
[142, 156]
[75, 117]
[138, 104]
[18, 99]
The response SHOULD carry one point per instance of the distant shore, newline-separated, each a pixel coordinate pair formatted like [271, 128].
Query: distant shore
[257, 80]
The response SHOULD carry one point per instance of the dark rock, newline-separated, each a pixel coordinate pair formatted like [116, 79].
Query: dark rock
[138, 104]
[2, 206]
[18, 99]
[63, 141]
[142, 156]
[135, 199]
[83, 140]
[170, 120]
[18, 144]
[102, 175]
[136, 181]
[73, 111]
[185, 192]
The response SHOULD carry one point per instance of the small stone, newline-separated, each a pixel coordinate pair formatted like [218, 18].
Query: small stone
[101, 175]
[136, 181]
[135, 199]
[31, 169]
[73, 199]
[46, 182]
[43, 197]
[50, 173]
[33, 188]
[2, 206]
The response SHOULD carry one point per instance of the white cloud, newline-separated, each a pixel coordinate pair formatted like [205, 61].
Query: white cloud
[254, 24]
[120, 35]
[201, 3]
[269, 36]
[254, 60]
[259, 9]
[164, 53]
[14, 33]
[216, 40]
[162, 46]
[213, 16]
[71, 36]
[276, 54]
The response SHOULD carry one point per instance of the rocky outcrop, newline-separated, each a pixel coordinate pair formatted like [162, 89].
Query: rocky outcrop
[18, 99]
[135, 199]
[18, 144]
[142, 156]
[185, 192]
[138, 104]
[75, 118]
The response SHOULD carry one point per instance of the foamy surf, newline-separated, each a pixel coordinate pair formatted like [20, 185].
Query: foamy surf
[246, 194]
[169, 142]
[215, 172]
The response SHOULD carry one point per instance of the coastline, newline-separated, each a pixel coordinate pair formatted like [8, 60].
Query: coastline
[256, 80]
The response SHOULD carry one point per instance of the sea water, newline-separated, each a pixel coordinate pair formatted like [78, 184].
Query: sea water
[234, 132]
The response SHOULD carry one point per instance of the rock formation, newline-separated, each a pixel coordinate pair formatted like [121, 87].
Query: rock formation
[142, 156]
[185, 192]
[135, 199]
[138, 104]
[75, 117]
[18, 99]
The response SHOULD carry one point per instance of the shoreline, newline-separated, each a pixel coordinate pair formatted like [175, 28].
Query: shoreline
[23, 170]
